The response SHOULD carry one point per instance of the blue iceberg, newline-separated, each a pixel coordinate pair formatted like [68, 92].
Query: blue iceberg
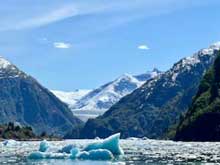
[111, 143]
[101, 150]
[42, 155]
[44, 145]
[99, 154]
[36, 155]
[67, 149]
[74, 152]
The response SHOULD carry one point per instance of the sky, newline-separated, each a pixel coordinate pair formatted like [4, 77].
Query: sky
[82, 44]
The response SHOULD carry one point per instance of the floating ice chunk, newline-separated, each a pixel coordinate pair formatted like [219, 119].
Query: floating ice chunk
[43, 155]
[97, 138]
[67, 149]
[145, 138]
[74, 152]
[83, 155]
[111, 143]
[99, 154]
[44, 145]
[36, 155]
[133, 138]
[9, 142]
[56, 155]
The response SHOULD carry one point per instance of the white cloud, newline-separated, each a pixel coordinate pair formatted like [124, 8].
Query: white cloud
[31, 14]
[143, 47]
[61, 45]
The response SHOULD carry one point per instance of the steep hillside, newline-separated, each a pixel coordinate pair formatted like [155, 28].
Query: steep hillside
[202, 121]
[24, 100]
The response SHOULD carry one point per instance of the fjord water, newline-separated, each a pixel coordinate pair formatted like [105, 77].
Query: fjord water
[137, 151]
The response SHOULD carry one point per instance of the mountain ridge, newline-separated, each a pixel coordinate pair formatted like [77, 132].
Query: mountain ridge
[99, 100]
[151, 109]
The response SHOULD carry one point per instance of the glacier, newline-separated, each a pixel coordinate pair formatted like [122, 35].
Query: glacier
[87, 104]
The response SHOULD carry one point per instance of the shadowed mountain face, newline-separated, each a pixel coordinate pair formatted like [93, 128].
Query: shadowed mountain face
[202, 121]
[24, 100]
[151, 109]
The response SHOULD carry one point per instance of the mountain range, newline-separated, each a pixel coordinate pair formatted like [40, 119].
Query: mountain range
[25, 101]
[151, 109]
[87, 104]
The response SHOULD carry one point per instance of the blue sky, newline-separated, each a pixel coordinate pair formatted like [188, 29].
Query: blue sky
[68, 44]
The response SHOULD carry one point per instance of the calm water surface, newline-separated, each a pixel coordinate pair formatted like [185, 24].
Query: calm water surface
[136, 152]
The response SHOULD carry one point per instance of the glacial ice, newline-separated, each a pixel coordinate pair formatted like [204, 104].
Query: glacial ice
[67, 149]
[99, 154]
[44, 145]
[43, 155]
[101, 150]
[36, 155]
[111, 143]
[74, 152]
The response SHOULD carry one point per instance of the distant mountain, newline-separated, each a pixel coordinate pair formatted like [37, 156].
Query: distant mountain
[98, 101]
[151, 109]
[25, 101]
[70, 98]
[202, 121]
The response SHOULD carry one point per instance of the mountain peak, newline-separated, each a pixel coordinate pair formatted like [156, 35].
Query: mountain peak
[215, 45]
[4, 63]
[155, 70]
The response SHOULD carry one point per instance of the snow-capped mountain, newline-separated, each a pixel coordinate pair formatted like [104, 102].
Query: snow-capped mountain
[27, 102]
[96, 102]
[155, 106]
[70, 98]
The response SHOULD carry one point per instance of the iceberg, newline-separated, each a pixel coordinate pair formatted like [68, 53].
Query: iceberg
[56, 155]
[36, 155]
[99, 154]
[111, 143]
[67, 149]
[101, 150]
[44, 145]
[74, 152]
[42, 155]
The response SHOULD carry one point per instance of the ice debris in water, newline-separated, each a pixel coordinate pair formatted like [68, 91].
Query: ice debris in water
[101, 150]
[9, 142]
[98, 154]
[44, 145]
[111, 143]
